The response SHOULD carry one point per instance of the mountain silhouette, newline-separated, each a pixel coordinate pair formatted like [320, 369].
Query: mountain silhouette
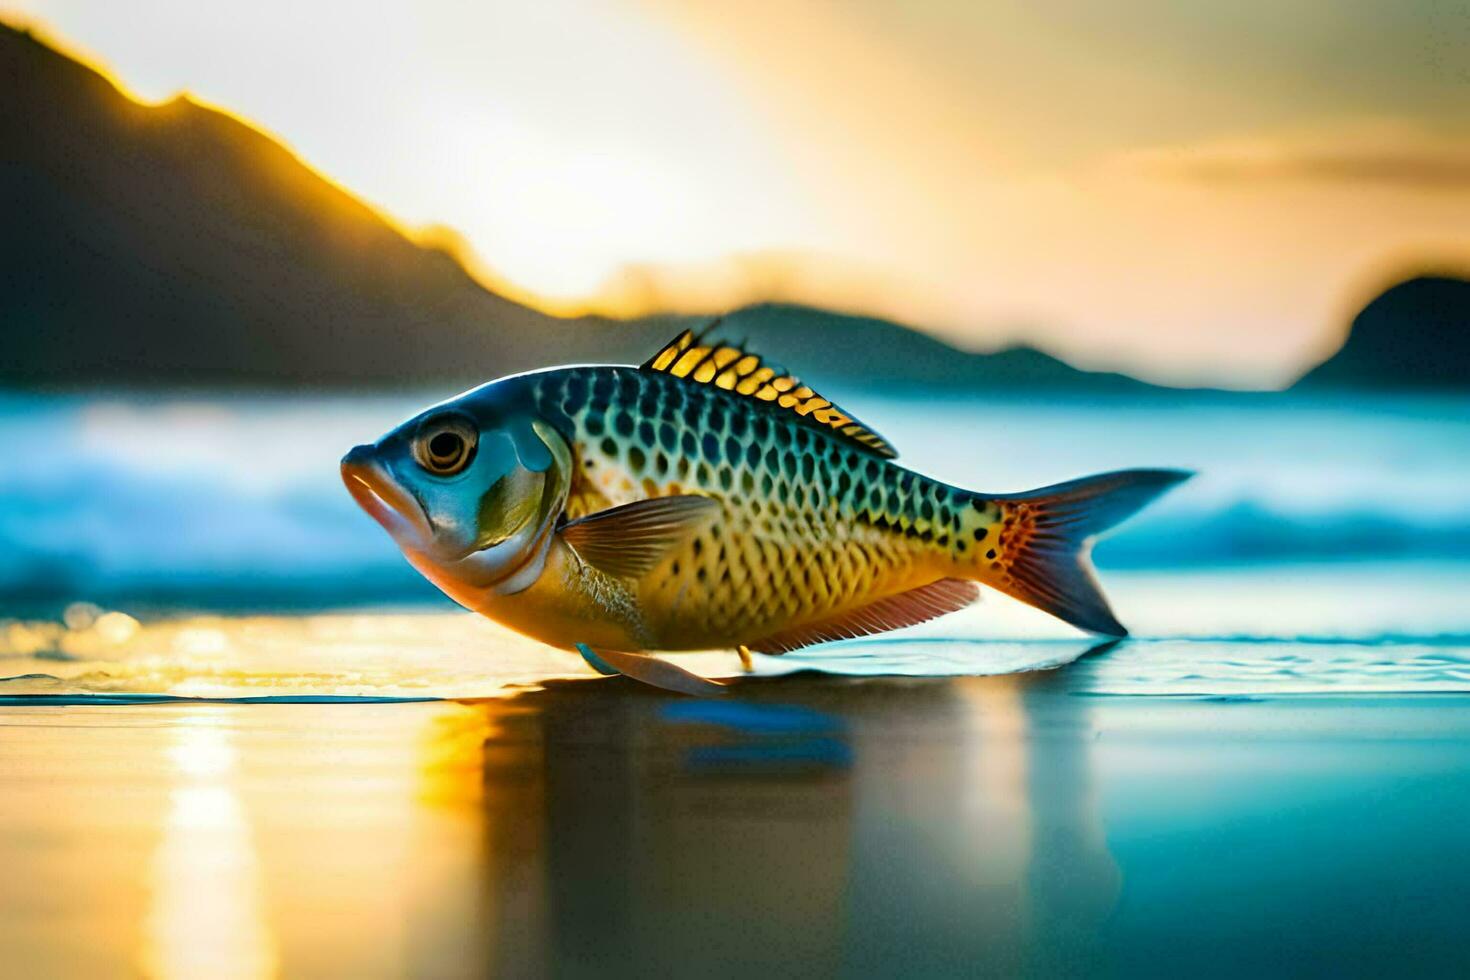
[175, 245]
[1413, 335]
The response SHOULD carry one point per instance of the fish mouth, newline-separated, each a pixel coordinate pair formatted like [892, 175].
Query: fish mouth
[385, 500]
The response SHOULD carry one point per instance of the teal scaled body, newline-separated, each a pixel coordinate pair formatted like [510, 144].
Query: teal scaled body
[809, 523]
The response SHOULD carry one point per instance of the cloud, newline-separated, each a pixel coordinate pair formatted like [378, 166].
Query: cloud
[1413, 170]
[1384, 155]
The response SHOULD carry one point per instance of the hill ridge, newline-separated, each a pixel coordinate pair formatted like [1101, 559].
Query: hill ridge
[174, 244]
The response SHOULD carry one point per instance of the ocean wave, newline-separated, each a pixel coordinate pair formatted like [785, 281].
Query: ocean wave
[218, 501]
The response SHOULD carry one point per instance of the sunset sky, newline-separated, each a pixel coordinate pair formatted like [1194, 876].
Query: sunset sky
[1193, 192]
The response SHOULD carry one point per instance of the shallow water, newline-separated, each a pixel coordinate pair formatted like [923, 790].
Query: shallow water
[813, 826]
[1244, 788]
[1401, 627]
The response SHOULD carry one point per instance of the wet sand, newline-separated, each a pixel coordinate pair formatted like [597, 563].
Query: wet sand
[810, 826]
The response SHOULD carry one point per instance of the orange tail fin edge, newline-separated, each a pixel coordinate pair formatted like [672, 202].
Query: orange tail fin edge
[1044, 552]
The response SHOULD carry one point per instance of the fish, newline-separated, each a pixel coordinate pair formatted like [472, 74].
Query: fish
[707, 499]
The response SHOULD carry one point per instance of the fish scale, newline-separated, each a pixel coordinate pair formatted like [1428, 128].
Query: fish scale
[829, 521]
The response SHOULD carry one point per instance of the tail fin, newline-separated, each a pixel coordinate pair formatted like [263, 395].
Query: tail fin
[1046, 536]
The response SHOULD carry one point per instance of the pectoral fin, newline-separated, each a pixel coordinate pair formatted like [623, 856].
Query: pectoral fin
[596, 662]
[628, 541]
[651, 671]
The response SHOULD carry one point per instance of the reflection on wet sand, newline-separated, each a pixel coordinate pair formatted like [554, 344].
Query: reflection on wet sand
[670, 827]
[804, 825]
[206, 906]
[1072, 879]
[369, 829]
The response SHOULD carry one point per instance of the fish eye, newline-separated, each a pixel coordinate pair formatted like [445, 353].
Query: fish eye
[445, 445]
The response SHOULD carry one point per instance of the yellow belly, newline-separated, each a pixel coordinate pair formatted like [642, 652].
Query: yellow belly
[760, 569]
[727, 587]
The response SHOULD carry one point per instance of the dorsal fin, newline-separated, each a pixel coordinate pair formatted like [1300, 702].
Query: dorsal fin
[735, 369]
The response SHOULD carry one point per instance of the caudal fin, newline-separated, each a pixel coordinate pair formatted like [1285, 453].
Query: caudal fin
[1042, 555]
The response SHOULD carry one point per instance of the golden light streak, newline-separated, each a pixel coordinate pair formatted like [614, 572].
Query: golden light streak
[206, 914]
